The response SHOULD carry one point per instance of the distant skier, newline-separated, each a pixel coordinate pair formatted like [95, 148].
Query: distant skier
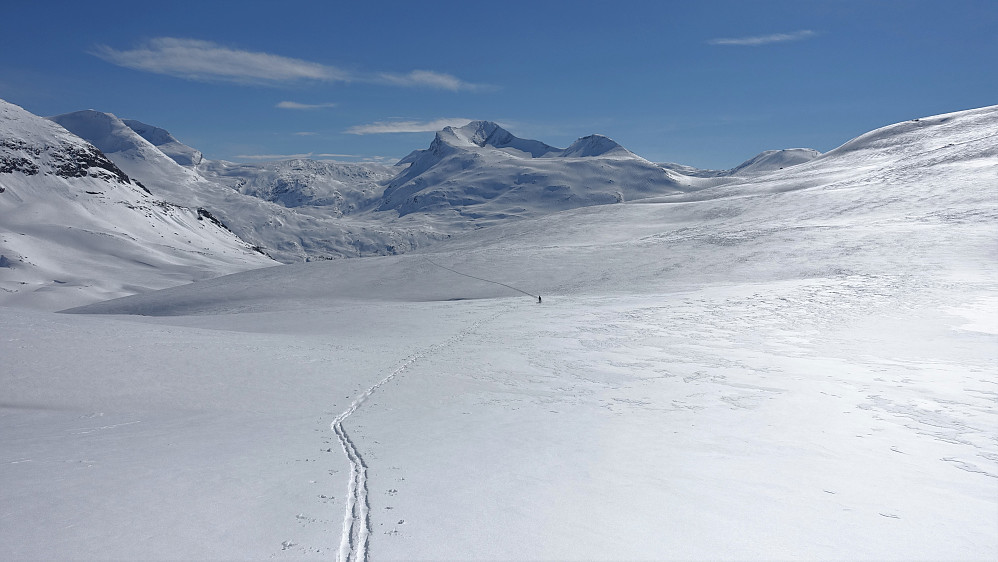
[538, 299]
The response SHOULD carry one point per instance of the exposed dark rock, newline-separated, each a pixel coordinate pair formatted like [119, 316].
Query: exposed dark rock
[76, 162]
[204, 214]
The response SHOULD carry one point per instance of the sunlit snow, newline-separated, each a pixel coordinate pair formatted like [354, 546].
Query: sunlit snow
[794, 363]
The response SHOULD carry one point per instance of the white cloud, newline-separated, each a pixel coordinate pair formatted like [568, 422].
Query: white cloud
[296, 105]
[203, 60]
[274, 156]
[426, 78]
[195, 59]
[303, 155]
[764, 39]
[305, 134]
[380, 127]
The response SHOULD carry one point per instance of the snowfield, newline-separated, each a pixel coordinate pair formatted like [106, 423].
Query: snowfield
[796, 363]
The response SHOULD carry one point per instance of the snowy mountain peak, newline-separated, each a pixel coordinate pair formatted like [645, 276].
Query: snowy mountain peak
[485, 172]
[167, 143]
[31, 145]
[595, 145]
[103, 130]
[486, 135]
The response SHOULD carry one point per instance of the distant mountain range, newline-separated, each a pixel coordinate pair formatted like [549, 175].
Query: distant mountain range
[146, 196]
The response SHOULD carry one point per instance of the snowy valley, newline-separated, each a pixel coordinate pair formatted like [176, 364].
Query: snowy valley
[794, 358]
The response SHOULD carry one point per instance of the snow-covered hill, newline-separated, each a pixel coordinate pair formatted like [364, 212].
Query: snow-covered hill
[797, 366]
[772, 160]
[764, 162]
[484, 172]
[75, 228]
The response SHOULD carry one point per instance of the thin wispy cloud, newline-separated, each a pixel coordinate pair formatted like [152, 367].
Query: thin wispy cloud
[296, 105]
[273, 156]
[383, 127]
[305, 134]
[195, 59]
[756, 40]
[427, 78]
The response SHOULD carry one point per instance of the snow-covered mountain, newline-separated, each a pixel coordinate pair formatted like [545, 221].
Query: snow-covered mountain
[293, 210]
[299, 210]
[74, 227]
[484, 172]
[469, 177]
[339, 188]
[906, 187]
[764, 162]
[796, 365]
[772, 160]
[166, 143]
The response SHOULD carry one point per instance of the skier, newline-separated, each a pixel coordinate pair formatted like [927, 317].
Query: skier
[538, 299]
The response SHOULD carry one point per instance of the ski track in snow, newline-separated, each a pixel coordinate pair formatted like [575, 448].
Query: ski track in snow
[357, 518]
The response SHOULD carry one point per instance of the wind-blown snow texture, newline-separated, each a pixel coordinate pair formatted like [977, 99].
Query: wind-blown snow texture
[798, 363]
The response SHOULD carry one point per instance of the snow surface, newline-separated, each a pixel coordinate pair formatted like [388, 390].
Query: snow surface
[797, 365]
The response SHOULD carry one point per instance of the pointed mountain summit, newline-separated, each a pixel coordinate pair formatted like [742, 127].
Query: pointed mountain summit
[596, 145]
[483, 171]
[486, 134]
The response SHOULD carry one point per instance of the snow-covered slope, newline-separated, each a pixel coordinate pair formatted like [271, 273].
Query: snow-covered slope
[771, 160]
[764, 162]
[486, 173]
[300, 210]
[75, 228]
[166, 143]
[257, 201]
[801, 366]
[910, 183]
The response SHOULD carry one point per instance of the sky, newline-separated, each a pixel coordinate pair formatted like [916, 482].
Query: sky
[707, 83]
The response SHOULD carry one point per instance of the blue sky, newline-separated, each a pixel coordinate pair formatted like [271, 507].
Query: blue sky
[707, 83]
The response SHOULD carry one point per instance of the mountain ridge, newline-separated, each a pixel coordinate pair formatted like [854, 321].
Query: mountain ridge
[468, 178]
[75, 228]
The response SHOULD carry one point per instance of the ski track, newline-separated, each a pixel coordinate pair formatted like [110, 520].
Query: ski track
[357, 517]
